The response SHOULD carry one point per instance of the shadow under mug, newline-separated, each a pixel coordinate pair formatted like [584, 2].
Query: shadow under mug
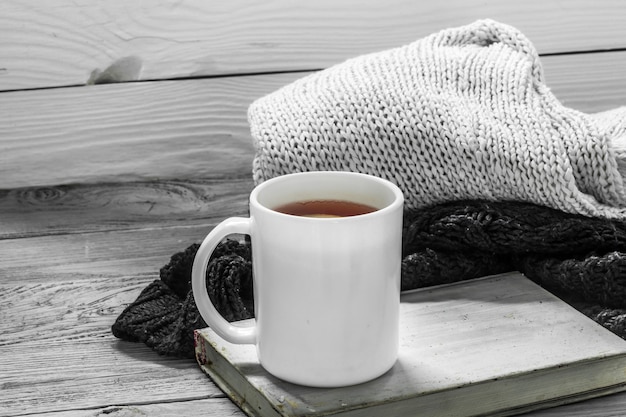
[326, 290]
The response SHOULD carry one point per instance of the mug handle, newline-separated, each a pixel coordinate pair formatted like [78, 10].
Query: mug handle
[227, 331]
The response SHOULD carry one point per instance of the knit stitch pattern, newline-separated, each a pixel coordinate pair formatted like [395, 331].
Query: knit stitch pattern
[165, 315]
[579, 259]
[464, 113]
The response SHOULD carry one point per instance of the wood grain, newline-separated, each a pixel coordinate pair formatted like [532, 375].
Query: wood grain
[94, 372]
[99, 255]
[80, 310]
[590, 82]
[62, 42]
[129, 132]
[59, 296]
[195, 128]
[78, 363]
[76, 208]
[213, 406]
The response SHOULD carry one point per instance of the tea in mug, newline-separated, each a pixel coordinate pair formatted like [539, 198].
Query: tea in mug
[325, 208]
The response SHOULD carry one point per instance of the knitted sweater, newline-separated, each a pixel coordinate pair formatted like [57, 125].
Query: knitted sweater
[461, 114]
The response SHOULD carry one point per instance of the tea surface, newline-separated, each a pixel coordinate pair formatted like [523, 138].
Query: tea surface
[325, 208]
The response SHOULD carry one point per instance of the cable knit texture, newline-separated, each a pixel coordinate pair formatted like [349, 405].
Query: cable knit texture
[463, 113]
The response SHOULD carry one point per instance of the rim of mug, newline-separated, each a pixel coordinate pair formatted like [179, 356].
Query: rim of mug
[398, 199]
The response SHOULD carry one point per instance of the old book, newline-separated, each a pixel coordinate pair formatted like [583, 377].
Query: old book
[498, 345]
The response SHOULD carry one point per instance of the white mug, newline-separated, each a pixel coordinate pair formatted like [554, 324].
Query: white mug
[326, 290]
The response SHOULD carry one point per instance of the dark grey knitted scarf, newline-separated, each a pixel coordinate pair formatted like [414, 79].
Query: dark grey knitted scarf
[580, 259]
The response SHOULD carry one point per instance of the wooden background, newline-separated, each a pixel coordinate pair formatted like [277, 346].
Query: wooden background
[100, 182]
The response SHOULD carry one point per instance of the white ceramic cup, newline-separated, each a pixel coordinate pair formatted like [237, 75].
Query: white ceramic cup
[326, 290]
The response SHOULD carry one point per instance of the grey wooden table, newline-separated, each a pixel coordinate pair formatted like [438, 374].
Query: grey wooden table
[101, 183]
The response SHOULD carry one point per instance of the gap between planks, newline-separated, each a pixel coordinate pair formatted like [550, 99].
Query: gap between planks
[67, 43]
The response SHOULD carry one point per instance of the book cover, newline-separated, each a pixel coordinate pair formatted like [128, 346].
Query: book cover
[499, 345]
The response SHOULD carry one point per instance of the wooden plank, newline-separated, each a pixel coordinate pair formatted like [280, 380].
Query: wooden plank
[129, 132]
[99, 255]
[590, 82]
[609, 406]
[195, 128]
[57, 352]
[82, 309]
[63, 42]
[98, 372]
[112, 206]
[218, 407]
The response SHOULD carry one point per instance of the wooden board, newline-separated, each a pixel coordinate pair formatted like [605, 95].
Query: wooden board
[69, 209]
[64, 42]
[194, 128]
[130, 132]
[498, 345]
[57, 352]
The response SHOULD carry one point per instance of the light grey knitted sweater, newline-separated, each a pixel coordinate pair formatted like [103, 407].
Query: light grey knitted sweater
[461, 114]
